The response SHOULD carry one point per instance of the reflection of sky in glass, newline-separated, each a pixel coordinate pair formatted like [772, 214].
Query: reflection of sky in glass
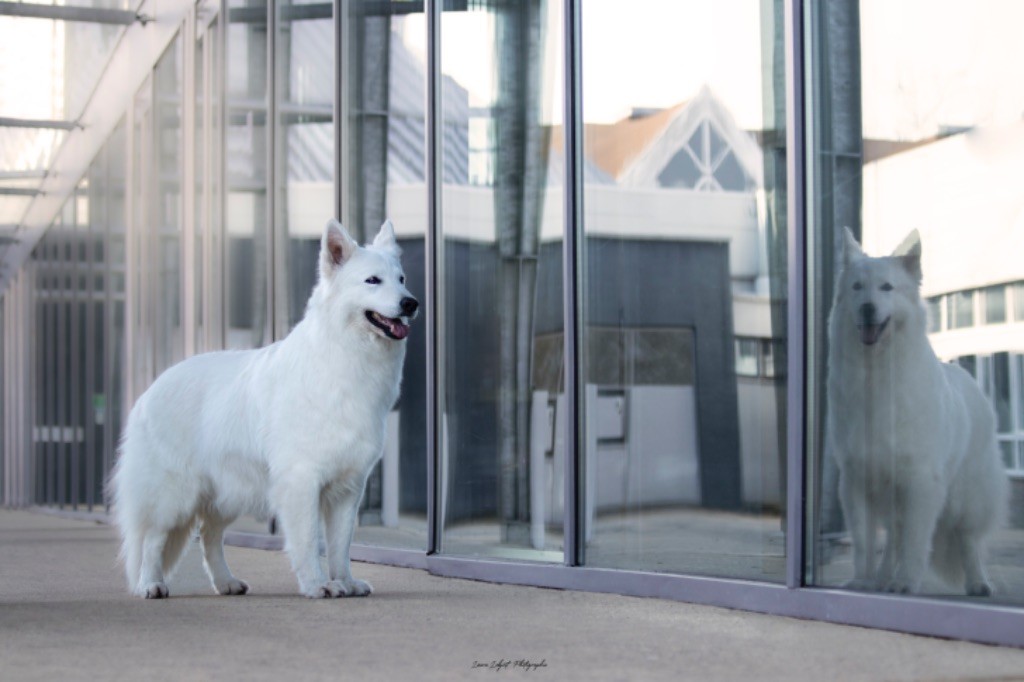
[926, 63]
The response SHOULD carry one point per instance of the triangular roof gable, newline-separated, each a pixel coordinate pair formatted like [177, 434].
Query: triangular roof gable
[643, 171]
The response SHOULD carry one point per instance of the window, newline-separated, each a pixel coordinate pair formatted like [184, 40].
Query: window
[706, 163]
[885, 144]
[960, 310]
[995, 304]
[705, 410]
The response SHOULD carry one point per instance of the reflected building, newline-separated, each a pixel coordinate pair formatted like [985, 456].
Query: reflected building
[626, 257]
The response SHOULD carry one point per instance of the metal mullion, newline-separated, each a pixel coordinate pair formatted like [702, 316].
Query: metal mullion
[341, 107]
[270, 176]
[59, 378]
[188, 185]
[77, 297]
[433, 270]
[574, 516]
[99, 209]
[220, 91]
[796, 395]
[6, 385]
[109, 315]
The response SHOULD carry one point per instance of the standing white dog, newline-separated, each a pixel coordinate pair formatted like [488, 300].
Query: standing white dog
[293, 428]
[914, 438]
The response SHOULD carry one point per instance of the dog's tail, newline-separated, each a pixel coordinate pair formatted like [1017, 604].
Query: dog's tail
[127, 523]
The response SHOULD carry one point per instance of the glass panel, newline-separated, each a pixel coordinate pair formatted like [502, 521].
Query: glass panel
[245, 238]
[919, 158]
[164, 261]
[1018, 298]
[961, 309]
[305, 147]
[200, 182]
[384, 178]
[503, 405]
[746, 357]
[995, 304]
[692, 482]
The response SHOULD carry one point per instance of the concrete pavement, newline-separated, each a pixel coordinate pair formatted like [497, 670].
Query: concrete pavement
[65, 614]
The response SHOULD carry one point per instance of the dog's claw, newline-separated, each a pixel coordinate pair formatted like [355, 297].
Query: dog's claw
[157, 591]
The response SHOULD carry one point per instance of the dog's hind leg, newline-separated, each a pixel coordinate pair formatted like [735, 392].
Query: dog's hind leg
[976, 583]
[212, 532]
[151, 574]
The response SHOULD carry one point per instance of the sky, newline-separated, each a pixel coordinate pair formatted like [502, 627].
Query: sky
[926, 64]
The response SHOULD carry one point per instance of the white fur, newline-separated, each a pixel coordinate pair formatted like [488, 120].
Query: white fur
[291, 429]
[914, 438]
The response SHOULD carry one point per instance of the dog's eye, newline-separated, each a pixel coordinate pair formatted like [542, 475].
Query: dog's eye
[401, 280]
[373, 280]
[886, 287]
[857, 286]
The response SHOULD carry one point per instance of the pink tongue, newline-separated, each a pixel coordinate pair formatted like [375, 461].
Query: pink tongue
[869, 333]
[398, 330]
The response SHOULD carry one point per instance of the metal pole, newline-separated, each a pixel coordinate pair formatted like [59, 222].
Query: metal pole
[574, 407]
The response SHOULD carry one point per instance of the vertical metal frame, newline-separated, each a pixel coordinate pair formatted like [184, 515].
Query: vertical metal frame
[270, 175]
[433, 272]
[188, 181]
[218, 231]
[575, 504]
[341, 109]
[796, 393]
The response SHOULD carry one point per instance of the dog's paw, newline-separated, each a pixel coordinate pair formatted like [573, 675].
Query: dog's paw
[358, 588]
[233, 586]
[329, 590]
[981, 589]
[155, 591]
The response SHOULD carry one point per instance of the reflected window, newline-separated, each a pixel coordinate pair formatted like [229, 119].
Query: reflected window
[995, 304]
[665, 289]
[960, 311]
[503, 407]
[883, 149]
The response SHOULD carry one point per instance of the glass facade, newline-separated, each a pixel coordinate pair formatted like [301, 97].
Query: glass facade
[683, 255]
[725, 304]
[500, 313]
[917, 484]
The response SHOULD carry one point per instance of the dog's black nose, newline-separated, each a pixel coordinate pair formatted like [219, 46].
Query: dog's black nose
[867, 313]
[409, 305]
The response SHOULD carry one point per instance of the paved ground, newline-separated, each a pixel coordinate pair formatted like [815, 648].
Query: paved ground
[64, 614]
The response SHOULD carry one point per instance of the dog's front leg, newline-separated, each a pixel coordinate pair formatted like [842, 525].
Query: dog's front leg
[340, 513]
[853, 499]
[919, 506]
[297, 502]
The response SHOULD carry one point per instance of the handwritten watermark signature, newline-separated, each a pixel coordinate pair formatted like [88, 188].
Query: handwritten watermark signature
[503, 664]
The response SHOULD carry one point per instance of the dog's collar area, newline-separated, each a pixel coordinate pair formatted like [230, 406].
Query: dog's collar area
[392, 327]
[871, 333]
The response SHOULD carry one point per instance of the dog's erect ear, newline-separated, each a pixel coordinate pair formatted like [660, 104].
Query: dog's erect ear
[909, 253]
[851, 248]
[336, 247]
[385, 239]
[912, 261]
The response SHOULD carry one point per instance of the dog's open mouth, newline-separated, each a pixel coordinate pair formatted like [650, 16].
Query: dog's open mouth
[870, 333]
[392, 327]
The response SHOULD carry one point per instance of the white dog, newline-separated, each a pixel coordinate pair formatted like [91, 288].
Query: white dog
[293, 428]
[914, 438]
